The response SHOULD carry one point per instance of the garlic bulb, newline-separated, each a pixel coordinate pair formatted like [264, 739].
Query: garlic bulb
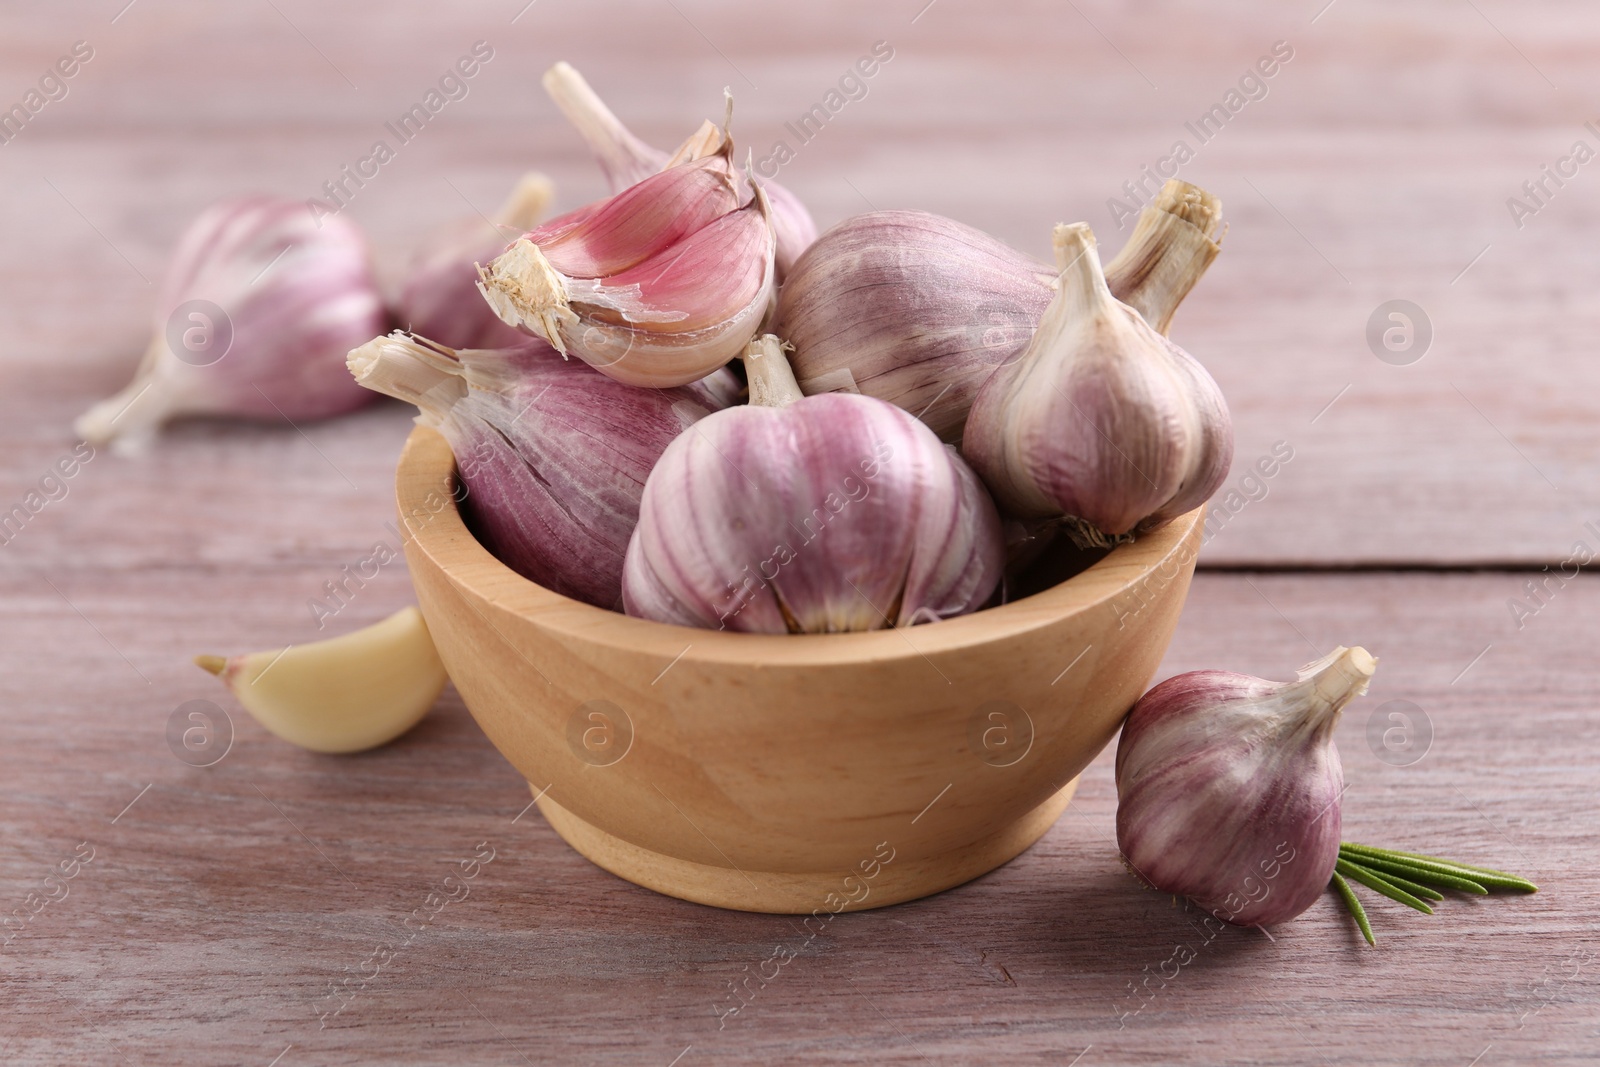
[919, 310]
[553, 457]
[1100, 421]
[253, 318]
[656, 286]
[440, 298]
[626, 160]
[1228, 786]
[819, 514]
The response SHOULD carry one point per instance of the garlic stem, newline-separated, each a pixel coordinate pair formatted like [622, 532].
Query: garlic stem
[1332, 682]
[1173, 242]
[426, 375]
[134, 412]
[772, 381]
[527, 203]
[624, 158]
[1079, 264]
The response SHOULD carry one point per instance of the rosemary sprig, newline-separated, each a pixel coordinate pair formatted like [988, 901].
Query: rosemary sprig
[1374, 880]
[1437, 877]
[1355, 907]
[1486, 876]
[1401, 876]
[1416, 889]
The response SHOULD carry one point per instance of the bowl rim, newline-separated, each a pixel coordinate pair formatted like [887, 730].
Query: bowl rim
[425, 475]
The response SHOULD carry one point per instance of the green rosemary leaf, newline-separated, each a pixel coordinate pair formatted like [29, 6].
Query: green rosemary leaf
[1416, 889]
[1355, 907]
[1376, 881]
[1430, 874]
[1486, 876]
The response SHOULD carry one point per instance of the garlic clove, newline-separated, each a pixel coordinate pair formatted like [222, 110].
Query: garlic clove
[552, 456]
[821, 514]
[440, 297]
[919, 310]
[254, 315]
[1228, 786]
[345, 694]
[626, 160]
[663, 319]
[1100, 422]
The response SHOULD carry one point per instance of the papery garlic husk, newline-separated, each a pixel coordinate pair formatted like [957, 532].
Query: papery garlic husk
[295, 293]
[552, 456]
[1101, 421]
[919, 310]
[822, 514]
[626, 160]
[440, 299]
[657, 286]
[1228, 786]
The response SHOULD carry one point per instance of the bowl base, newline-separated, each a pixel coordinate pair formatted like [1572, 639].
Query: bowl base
[792, 893]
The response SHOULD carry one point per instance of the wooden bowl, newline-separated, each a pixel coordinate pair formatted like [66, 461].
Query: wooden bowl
[812, 774]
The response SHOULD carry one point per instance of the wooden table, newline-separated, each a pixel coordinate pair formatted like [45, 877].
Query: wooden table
[222, 904]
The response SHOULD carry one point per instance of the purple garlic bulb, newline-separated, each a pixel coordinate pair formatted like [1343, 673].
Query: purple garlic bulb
[553, 455]
[821, 514]
[1101, 422]
[919, 310]
[440, 298]
[253, 319]
[1228, 786]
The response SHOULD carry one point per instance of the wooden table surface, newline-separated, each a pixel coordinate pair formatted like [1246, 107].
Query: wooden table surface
[222, 904]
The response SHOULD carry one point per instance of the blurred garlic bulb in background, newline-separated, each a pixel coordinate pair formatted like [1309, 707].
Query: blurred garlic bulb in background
[657, 286]
[919, 310]
[1101, 422]
[821, 514]
[440, 298]
[626, 160]
[253, 319]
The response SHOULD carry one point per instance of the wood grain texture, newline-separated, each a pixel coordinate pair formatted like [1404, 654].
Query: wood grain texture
[221, 908]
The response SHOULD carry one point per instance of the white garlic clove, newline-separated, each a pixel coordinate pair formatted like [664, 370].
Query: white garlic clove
[1228, 786]
[440, 297]
[919, 310]
[1101, 421]
[552, 456]
[626, 160]
[821, 514]
[658, 286]
[254, 315]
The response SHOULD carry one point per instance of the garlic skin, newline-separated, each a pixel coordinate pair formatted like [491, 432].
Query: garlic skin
[440, 298]
[1228, 786]
[657, 286]
[296, 296]
[824, 514]
[552, 456]
[626, 160]
[919, 310]
[1100, 421]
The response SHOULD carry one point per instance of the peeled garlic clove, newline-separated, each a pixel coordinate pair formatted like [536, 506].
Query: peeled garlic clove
[440, 297]
[1228, 786]
[1101, 421]
[919, 310]
[553, 457]
[345, 694]
[658, 286]
[817, 514]
[253, 319]
[626, 160]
